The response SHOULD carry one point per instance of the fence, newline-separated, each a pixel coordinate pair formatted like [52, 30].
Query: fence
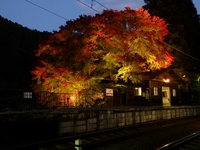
[20, 99]
[14, 100]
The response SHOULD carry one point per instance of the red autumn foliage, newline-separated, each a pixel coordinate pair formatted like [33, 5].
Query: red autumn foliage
[114, 44]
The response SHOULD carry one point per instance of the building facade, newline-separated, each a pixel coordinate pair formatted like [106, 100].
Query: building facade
[159, 89]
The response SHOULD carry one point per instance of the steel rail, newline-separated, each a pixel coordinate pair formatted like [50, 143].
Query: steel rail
[181, 142]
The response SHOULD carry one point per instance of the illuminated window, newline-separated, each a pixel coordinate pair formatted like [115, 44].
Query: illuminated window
[27, 94]
[155, 91]
[174, 92]
[138, 91]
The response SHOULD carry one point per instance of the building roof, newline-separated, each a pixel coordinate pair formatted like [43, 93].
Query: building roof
[165, 74]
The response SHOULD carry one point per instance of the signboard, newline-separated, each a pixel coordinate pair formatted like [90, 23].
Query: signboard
[109, 92]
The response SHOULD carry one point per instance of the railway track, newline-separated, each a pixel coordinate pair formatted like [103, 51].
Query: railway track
[190, 142]
[96, 139]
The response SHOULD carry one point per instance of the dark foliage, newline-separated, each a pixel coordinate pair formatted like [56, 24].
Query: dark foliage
[184, 29]
[17, 45]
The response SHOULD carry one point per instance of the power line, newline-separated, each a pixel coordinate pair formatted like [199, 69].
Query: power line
[100, 4]
[88, 6]
[46, 10]
[91, 7]
[180, 51]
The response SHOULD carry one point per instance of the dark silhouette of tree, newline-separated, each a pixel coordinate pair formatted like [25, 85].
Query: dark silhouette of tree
[184, 28]
[17, 45]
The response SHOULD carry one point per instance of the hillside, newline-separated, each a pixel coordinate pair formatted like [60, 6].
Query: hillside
[17, 45]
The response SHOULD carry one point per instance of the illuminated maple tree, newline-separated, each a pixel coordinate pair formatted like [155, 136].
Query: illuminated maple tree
[114, 45]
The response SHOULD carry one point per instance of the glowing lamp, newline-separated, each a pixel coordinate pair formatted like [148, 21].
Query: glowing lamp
[166, 80]
[72, 97]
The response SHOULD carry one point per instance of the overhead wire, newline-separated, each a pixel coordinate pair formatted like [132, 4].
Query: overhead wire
[100, 4]
[47, 10]
[181, 51]
[91, 7]
[88, 6]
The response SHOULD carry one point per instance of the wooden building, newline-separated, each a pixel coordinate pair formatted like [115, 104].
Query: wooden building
[158, 89]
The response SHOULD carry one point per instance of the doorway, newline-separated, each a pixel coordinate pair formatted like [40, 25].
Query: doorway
[166, 97]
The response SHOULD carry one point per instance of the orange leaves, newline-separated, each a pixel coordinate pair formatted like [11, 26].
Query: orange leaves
[141, 12]
[104, 46]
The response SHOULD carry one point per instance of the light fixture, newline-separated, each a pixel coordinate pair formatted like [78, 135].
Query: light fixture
[166, 80]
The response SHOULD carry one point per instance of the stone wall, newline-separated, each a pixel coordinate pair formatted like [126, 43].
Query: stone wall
[95, 119]
[58, 122]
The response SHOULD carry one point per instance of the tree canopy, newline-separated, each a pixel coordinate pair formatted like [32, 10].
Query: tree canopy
[112, 46]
